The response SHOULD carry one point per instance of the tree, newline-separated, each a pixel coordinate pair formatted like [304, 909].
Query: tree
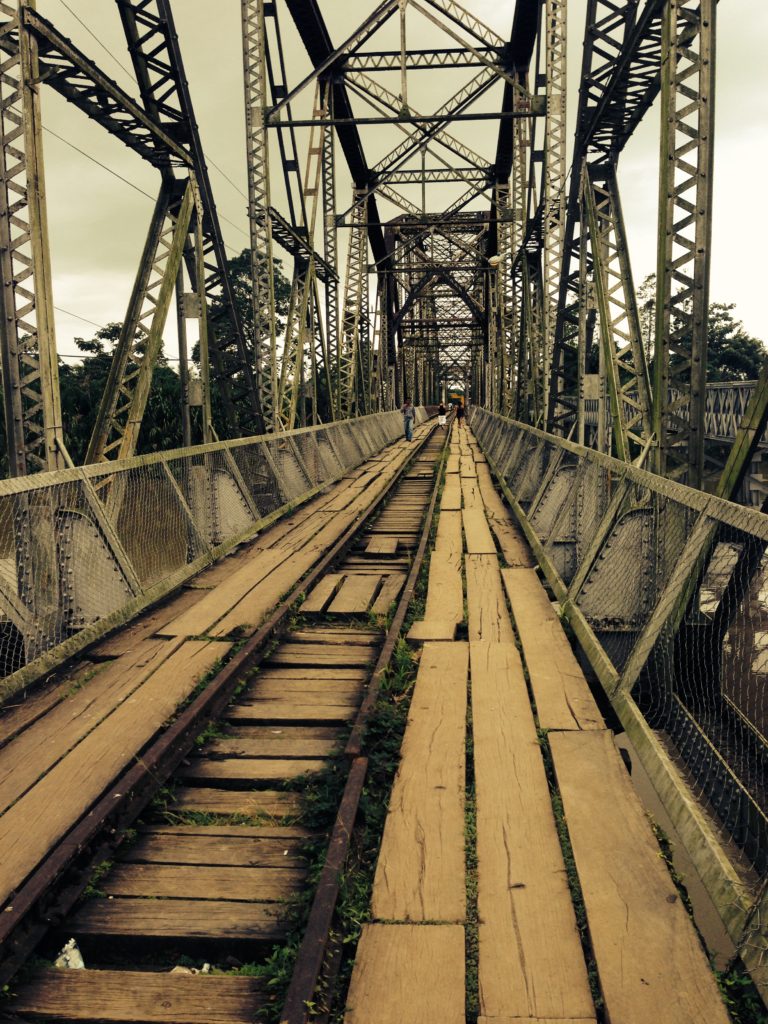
[732, 353]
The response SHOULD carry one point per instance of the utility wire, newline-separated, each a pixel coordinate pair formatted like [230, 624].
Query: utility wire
[93, 36]
[98, 162]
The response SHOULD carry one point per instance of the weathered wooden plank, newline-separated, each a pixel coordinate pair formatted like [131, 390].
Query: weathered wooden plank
[408, 974]
[356, 595]
[511, 541]
[450, 500]
[304, 690]
[381, 546]
[470, 493]
[132, 997]
[488, 615]
[34, 823]
[275, 746]
[448, 540]
[326, 589]
[650, 961]
[536, 1020]
[270, 803]
[353, 655]
[420, 871]
[203, 882]
[452, 463]
[390, 590]
[467, 466]
[213, 920]
[212, 605]
[476, 532]
[28, 757]
[432, 629]
[246, 851]
[317, 673]
[251, 770]
[530, 963]
[264, 711]
[562, 694]
[338, 635]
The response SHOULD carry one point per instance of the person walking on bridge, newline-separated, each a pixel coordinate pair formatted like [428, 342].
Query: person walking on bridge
[460, 413]
[441, 416]
[409, 414]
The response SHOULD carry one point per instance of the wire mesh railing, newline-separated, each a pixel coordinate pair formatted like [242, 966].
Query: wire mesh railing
[666, 588]
[82, 550]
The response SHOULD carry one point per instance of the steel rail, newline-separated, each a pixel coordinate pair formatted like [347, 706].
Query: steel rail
[52, 889]
[315, 943]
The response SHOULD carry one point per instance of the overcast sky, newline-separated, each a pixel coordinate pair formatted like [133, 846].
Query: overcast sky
[98, 221]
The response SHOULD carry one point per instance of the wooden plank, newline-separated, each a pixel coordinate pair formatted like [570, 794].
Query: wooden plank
[448, 539]
[342, 692]
[452, 463]
[420, 871]
[562, 694]
[178, 919]
[275, 746]
[264, 711]
[352, 655]
[511, 541]
[381, 546]
[270, 803]
[536, 1020]
[408, 974]
[476, 532]
[44, 814]
[319, 596]
[470, 493]
[530, 958]
[212, 605]
[279, 833]
[338, 635]
[133, 997]
[450, 500]
[318, 673]
[467, 466]
[432, 629]
[15, 718]
[651, 964]
[27, 758]
[390, 591]
[125, 639]
[356, 595]
[488, 615]
[203, 882]
[251, 770]
[175, 847]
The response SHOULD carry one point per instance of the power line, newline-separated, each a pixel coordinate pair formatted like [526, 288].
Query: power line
[93, 36]
[225, 175]
[98, 162]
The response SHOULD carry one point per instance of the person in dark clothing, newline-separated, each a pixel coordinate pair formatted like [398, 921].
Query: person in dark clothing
[441, 416]
[460, 413]
[409, 414]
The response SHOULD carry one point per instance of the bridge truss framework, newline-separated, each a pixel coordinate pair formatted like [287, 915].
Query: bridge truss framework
[517, 292]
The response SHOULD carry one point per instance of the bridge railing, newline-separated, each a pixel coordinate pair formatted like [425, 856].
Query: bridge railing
[666, 588]
[83, 550]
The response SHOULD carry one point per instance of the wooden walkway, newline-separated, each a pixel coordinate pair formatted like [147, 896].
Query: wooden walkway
[69, 742]
[544, 814]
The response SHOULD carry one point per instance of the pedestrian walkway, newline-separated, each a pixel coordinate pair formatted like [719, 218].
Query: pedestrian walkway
[486, 866]
[68, 743]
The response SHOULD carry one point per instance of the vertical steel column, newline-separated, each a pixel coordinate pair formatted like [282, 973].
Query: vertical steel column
[257, 147]
[27, 336]
[330, 245]
[685, 228]
[554, 175]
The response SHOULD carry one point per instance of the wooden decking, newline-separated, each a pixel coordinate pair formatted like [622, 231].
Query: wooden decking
[65, 745]
[546, 804]
[518, 877]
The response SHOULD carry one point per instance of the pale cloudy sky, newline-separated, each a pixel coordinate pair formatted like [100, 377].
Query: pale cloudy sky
[98, 221]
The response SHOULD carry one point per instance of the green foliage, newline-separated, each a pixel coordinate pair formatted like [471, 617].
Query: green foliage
[740, 995]
[732, 353]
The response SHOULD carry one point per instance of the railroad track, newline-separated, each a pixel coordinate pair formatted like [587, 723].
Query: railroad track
[201, 859]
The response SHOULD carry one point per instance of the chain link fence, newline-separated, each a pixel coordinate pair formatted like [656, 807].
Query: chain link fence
[83, 550]
[666, 588]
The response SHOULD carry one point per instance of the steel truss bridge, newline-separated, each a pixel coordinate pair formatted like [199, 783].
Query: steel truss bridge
[435, 247]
